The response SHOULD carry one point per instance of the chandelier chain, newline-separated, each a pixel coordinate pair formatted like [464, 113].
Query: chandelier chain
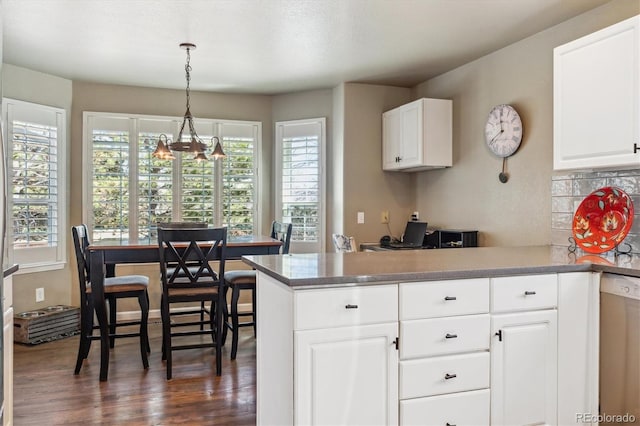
[187, 69]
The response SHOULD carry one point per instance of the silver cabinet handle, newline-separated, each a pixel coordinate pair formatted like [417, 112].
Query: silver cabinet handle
[451, 336]
[351, 307]
[450, 376]
[450, 298]
[529, 293]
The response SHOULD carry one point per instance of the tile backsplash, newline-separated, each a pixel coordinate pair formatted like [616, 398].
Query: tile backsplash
[568, 191]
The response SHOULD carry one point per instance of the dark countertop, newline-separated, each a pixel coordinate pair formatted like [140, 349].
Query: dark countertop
[10, 270]
[325, 269]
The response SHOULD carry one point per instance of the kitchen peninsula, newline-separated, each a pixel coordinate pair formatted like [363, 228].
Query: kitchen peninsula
[410, 337]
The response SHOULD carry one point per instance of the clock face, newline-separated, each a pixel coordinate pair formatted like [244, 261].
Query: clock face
[503, 131]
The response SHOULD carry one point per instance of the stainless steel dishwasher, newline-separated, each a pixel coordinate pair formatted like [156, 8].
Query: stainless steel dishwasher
[619, 349]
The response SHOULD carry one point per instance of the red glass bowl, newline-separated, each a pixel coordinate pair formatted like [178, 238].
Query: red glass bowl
[603, 220]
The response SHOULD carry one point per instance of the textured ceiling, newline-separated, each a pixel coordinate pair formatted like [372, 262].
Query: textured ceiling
[267, 46]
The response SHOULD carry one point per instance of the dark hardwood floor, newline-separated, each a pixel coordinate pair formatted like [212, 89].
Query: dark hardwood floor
[47, 392]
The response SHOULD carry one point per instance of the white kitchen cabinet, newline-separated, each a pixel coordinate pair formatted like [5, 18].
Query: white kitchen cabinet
[596, 99]
[417, 136]
[524, 368]
[342, 345]
[502, 350]
[578, 345]
[444, 352]
[7, 349]
[347, 376]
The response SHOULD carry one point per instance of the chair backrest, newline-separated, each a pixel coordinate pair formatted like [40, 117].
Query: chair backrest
[282, 232]
[80, 243]
[185, 254]
[344, 244]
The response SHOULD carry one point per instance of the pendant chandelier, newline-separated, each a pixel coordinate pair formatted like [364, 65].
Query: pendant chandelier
[195, 145]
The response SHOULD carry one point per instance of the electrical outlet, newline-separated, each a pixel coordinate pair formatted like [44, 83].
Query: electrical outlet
[39, 294]
[360, 217]
[384, 217]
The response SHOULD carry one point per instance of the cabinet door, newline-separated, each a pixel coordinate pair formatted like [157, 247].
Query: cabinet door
[411, 124]
[346, 375]
[596, 95]
[524, 368]
[391, 139]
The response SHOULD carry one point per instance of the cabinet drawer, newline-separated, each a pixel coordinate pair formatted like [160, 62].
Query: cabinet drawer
[460, 409]
[525, 292]
[339, 307]
[439, 336]
[445, 374]
[444, 298]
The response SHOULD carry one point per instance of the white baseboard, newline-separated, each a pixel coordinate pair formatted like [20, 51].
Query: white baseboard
[154, 314]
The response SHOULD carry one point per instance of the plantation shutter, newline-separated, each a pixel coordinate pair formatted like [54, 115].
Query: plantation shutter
[110, 190]
[300, 147]
[35, 136]
[239, 178]
[155, 192]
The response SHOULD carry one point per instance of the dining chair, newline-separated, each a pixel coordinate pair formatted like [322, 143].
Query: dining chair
[114, 288]
[344, 243]
[203, 310]
[246, 280]
[187, 276]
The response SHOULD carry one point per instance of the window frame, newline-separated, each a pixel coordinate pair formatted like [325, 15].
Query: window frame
[213, 126]
[38, 259]
[321, 123]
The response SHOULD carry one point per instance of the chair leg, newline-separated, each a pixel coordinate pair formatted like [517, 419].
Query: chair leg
[112, 321]
[148, 345]
[166, 336]
[225, 317]
[144, 337]
[86, 329]
[202, 307]
[218, 329]
[235, 295]
[225, 323]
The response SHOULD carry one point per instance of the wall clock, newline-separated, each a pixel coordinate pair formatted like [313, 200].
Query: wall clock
[503, 134]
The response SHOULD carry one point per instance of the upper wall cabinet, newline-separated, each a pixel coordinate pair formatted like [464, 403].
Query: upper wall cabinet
[596, 93]
[417, 136]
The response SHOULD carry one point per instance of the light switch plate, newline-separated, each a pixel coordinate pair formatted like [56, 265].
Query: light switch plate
[360, 217]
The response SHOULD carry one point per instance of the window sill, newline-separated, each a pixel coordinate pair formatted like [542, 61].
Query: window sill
[30, 268]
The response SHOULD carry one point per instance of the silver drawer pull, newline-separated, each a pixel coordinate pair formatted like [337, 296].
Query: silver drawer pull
[451, 424]
[451, 336]
[351, 307]
[450, 376]
[529, 293]
[450, 298]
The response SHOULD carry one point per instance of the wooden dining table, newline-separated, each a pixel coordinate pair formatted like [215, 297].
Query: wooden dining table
[105, 255]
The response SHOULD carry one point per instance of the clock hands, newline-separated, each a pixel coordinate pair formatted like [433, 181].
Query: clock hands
[493, 139]
[497, 134]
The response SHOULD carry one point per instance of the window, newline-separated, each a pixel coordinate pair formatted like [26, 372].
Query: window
[129, 191]
[300, 188]
[36, 185]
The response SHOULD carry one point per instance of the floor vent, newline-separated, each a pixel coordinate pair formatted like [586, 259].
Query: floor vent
[45, 325]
